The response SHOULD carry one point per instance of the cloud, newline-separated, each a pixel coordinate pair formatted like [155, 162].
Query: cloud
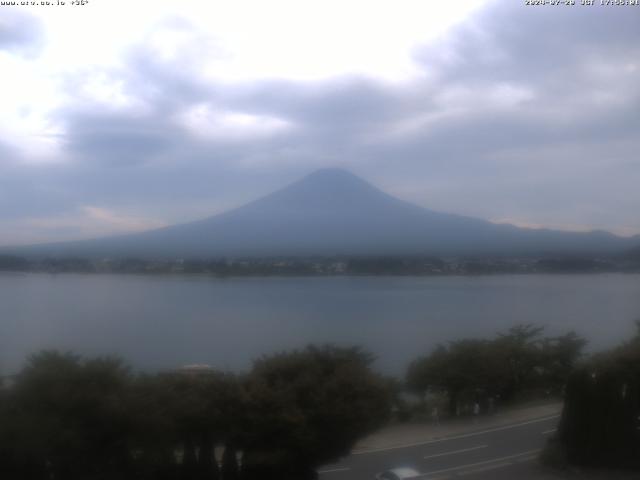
[532, 107]
[84, 222]
[118, 140]
[20, 32]
[518, 113]
[511, 43]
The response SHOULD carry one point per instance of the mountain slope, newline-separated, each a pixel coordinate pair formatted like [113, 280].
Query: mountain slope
[333, 212]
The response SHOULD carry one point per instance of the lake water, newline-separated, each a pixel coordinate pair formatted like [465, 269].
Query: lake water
[158, 322]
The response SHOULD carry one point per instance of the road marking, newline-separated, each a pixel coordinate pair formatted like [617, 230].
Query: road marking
[456, 437]
[456, 451]
[547, 432]
[525, 459]
[484, 462]
[332, 470]
[485, 468]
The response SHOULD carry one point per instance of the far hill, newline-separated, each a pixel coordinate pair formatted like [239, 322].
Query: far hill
[333, 212]
[633, 254]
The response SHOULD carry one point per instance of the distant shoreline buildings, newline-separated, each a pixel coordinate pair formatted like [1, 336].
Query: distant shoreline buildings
[328, 266]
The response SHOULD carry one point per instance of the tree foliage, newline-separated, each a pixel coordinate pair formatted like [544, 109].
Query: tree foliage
[309, 407]
[69, 418]
[517, 361]
[600, 422]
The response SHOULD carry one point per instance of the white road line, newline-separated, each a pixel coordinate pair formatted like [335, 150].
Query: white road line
[547, 432]
[525, 459]
[484, 462]
[456, 437]
[332, 470]
[455, 451]
[486, 468]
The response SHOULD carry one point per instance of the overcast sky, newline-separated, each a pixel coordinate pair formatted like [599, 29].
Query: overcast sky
[121, 116]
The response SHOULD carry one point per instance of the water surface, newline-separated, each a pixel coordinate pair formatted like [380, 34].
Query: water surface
[158, 322]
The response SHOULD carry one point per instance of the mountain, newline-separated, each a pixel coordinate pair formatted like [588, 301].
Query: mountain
[333, 212]
[633, 254]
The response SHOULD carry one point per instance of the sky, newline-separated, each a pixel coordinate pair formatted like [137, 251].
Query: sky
[121, 116]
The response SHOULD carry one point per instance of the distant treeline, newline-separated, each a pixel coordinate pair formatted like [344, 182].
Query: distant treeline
[300, 266]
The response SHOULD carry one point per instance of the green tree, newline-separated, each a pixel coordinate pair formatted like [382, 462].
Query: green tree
[600, 423]
[465, 369]
[519, 352]
[185, 415]
[309, 407]
[67, 419]
[473, 370]
[559, 355]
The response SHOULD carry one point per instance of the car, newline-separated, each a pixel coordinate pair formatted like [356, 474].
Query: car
[401, 473]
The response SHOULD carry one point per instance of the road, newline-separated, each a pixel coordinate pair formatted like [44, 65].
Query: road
[507, 451]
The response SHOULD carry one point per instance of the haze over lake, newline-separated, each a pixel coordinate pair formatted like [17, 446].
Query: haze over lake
[161, 322]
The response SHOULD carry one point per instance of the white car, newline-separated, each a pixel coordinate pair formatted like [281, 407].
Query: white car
[398, 474]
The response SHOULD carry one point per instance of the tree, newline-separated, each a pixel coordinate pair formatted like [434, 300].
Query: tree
[463, 369]
[558, 358]
[519, 353]
[309, 407]
[68, 419]
[186, 413]
[517, 361]
[600, 423]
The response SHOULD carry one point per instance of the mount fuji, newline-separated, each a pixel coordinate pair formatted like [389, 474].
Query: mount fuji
[334, 212]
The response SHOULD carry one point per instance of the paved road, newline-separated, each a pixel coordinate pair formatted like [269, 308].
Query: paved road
[507, 451]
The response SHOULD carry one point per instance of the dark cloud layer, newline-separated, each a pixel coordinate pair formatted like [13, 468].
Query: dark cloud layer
[520, 114]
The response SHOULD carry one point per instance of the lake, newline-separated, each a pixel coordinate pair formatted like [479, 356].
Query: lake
[160, 322]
